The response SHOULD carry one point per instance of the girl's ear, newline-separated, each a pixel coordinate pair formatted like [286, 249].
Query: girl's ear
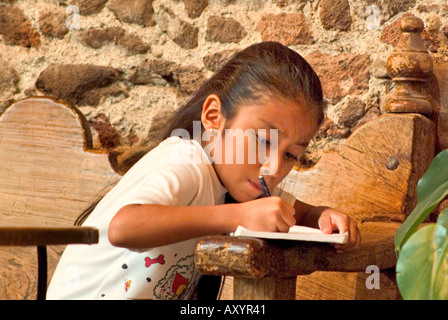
[211, 116]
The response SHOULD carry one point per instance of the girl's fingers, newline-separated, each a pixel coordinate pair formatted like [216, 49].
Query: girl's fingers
[325, 225]
[283, 227]
[290, 219]
[288, 216]
[333, 220]
[353, 242]
[287, 221]
[287, 208]
[355, 237]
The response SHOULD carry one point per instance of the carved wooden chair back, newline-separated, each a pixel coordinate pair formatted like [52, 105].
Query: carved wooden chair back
[48, 176]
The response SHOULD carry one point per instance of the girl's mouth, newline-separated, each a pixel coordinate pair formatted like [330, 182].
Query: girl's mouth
[255, 186]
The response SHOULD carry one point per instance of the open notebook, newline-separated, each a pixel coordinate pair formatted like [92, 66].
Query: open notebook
[299, 233]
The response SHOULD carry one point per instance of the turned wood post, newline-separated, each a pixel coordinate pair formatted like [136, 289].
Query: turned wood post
[410, 67]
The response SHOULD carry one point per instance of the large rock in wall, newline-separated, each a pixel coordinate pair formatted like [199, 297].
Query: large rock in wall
[124, 63]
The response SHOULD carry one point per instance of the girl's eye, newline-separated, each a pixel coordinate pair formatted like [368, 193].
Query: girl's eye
[262, 140]
[291, 157]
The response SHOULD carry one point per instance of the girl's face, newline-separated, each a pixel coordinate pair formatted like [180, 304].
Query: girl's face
[240, 167]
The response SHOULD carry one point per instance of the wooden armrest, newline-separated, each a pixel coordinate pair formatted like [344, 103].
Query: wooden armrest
[250, 257]
[45, 235]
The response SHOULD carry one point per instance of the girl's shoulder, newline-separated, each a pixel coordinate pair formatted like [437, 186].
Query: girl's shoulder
[175, 142]
[177, 151]
[175, 155]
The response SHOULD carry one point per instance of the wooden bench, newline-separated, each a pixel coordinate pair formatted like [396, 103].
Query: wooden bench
[372, 178]
[48, 176]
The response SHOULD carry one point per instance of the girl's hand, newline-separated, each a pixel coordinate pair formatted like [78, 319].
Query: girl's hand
[267, 214]
[331, 220]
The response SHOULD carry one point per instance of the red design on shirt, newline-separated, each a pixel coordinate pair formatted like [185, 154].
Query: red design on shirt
[149, 262]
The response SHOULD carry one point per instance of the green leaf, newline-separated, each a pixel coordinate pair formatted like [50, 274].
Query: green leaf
[431, 189]
[422, 267]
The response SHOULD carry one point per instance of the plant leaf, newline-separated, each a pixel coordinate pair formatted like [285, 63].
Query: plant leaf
[422, 267]
[431, 189]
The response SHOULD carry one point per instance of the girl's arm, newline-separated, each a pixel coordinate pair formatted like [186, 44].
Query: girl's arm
[150, 225]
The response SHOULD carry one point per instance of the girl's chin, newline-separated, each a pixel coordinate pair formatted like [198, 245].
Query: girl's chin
[243, 196]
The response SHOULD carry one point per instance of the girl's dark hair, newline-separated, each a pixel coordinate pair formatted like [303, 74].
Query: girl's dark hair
[266, 68]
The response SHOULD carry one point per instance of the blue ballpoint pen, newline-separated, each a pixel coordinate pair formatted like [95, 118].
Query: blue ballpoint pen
[264, 186]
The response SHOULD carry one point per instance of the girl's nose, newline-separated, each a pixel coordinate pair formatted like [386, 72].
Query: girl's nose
[269, 161]
[271, 166]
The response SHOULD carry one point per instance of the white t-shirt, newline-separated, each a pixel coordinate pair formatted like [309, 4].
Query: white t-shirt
[177, 172]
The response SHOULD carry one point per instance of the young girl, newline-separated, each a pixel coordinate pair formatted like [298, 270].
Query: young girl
[150, 222]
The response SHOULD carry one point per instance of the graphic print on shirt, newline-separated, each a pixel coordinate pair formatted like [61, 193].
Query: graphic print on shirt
[179, 281]
[160, 259]
[148, 262]
[127, 285]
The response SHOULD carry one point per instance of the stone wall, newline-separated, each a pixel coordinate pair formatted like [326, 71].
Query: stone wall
[124, 62]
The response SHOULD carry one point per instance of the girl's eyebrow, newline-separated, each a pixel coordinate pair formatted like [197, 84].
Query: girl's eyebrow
[271, 126]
